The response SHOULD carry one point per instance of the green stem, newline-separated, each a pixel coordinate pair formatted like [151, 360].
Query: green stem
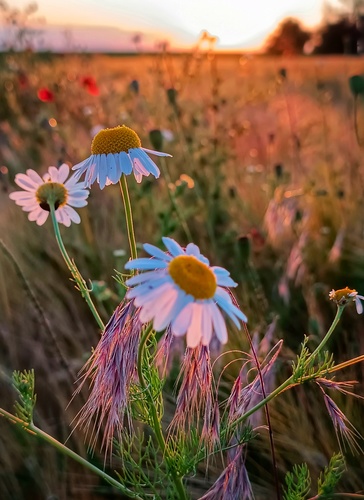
[129, 216]
[290, 382]
[286, 384]
[32, 429]
[156, 424]
[323, 342]
[74, 271]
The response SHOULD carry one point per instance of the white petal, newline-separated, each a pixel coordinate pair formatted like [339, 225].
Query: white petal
[25, 182]
[63, 173]
[220, 271]
[192, 249]
[72, 214]
[182, 321]
[172, 246]
[146, 314]
[63, 217]
[36, 178]
[91, 175]
[76, 202]
[78, 193]
[24, 196]
[181, 301]
[113, 171]
[195, 328]
[358, 305]
[156, 252]
[147, 264]
[225, 281]
[140, 278]
[32, 216]
[206, 326]
[125, 163]
[156, 153]
[147, 162]
[53, 172]
[149, 292]
[144, 289]
[30, 207]
[84, 164]
[43, 216]
[73, 182]
[219, 323]
[102, 174]
[138, 177]
[163, 311]
[151, 298]
[139, 167]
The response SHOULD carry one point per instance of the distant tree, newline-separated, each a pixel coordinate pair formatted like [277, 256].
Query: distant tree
[289, 38]
[20, 35]
[339, 37]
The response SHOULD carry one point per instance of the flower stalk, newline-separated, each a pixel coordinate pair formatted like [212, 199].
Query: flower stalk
[156, 424]
[81, 284]
[32, 429]
[129, 216]
[291, 381]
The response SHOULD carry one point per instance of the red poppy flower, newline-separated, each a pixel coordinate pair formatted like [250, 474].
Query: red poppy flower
[89, 83]
[45, 95]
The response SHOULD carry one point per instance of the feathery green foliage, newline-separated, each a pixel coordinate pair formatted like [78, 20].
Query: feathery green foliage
[298, 483]
[330, 477]
[23, 382]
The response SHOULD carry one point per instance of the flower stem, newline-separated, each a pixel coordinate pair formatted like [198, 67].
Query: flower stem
[291, 381]
[129, 216]
[81, 284]
[32, 429]
[323, 342]
[156, 424]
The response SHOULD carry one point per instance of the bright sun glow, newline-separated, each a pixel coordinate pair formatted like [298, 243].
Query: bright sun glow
[236, 23]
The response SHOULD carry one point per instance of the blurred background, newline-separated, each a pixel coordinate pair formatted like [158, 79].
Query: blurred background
[261, 106]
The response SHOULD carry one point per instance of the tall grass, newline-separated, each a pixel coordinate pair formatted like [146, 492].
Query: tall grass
[267, 176]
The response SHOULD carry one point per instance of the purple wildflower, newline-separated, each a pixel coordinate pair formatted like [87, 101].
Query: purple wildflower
[196, 386]
[210, 434]
[233, 482]
[169, 348]
[243, 397]
[346, 433]
[111, 369]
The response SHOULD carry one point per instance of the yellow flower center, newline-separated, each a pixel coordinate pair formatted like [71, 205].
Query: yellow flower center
[51, 192]
[343, 295]
[193, 276]
[115, 140]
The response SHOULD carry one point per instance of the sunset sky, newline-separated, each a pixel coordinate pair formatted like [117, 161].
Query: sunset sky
[237, 23]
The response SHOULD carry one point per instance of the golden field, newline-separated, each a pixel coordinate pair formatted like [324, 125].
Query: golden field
[267, 176]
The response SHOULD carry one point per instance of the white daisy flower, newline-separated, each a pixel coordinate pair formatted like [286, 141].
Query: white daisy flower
[345, 295]
[40, 192]
[181, 289]
[117, 151]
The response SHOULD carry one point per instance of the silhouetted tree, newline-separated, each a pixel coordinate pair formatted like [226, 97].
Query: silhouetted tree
[289, 38]
[340, 37]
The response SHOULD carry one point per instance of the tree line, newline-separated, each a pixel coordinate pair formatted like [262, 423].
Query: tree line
[341, 32]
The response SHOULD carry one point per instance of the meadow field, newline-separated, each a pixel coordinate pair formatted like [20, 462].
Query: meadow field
[267, 177]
